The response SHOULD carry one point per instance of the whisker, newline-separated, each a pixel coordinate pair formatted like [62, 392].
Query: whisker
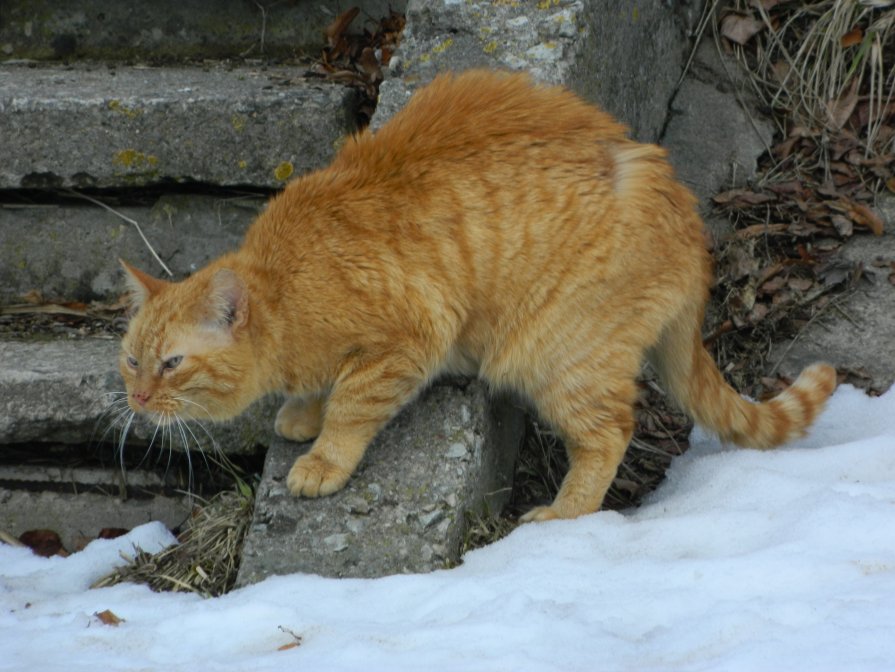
[186, 450]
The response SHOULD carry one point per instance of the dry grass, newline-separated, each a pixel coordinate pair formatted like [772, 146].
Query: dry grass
[206, 560]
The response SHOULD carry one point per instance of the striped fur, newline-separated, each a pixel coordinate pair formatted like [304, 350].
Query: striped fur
[493, 226]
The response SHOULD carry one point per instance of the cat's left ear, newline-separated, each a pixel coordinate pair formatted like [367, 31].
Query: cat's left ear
[228, 300]
[140, 285]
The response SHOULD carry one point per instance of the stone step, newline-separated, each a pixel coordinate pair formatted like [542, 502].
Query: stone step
[171, 29]
[449, 453]
[71, 251]
[100, 126]
[62, 391]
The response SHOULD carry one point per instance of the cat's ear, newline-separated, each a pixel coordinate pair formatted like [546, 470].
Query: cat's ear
[141, 286]
[228, 301]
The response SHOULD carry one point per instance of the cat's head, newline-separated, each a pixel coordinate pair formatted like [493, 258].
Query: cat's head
[187, 351]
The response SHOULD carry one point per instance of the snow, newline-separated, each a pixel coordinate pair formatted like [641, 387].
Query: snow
[742, 560]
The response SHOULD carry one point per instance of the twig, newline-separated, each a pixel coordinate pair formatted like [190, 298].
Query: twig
[7, 538]
[129, 221]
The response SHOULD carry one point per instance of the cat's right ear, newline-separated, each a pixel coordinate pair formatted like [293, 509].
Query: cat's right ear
[140, 285]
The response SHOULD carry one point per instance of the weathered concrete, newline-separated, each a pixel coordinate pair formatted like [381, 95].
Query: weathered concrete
[62, 391]
[94, 126]
[627, 57]
[169, 29]
[859, 333]
[71, 252]
[715, 134]
[403, 511]
[77, 514]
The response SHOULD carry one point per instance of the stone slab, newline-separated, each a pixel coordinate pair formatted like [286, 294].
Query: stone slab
[404, 509]
[62, 390]
[100, 126]
[71, 252]
[715, 133]
[626, 57]
[169, 29]
[859, 334]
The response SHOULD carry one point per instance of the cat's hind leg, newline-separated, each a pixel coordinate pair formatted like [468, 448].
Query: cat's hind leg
[592, 411]
[300, 418]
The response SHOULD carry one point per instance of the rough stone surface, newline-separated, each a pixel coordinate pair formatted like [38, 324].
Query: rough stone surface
[71, 252]
[95, 126]
[859, 334]
[714, 133]
[61, 391]
[75, 514]
[403, 511]
[626, 57]
[169, 29]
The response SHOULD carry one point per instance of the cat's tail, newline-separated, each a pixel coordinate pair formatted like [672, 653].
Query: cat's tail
[690, 374]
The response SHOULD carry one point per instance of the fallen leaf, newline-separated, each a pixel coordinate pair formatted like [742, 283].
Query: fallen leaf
[740, 28]
[740, 197]
[843, 225]
[851, 38]
[109, 617]
[111, 533]
[333, 32]
[290, 645]
[842, 107]
[800, 284]
[45, 543]
[864, 216]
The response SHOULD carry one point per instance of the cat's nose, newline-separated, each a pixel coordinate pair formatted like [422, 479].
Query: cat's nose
[141, 397]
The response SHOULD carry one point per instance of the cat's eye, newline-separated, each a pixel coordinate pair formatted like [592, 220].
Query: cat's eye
[172, 362]
[132, 362]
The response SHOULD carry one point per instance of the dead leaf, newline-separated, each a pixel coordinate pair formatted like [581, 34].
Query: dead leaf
[740, 28]
[841, 108]
[843, 225]
[45, 543]
[851, 38]
[864, 216]
[890, 184]
[109, 617]
[800, 284]
[334, 31]
[741, 197]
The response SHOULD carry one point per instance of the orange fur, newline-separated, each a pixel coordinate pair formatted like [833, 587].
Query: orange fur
[493, 226]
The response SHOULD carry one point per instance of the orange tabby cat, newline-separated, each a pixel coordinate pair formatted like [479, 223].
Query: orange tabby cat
[494, 227]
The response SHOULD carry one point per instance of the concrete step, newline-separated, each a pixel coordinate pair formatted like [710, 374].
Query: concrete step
[62, 391]
[100, 126]
[170, 29]
[79, 502]
[404, 510]
[71, 251]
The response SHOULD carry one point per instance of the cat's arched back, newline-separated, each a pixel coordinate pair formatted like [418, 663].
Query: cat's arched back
[493, 226]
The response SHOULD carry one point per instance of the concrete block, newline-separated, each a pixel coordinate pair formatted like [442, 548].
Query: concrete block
[626, 57]
[61, 391]
[71, 252]
[403, 511]
[715, 134]
[98, 126]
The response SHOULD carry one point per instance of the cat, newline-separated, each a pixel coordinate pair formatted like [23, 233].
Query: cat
[495, 227]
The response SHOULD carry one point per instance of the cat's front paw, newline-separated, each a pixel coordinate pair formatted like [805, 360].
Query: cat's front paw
[315, 476]
[540, 514]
